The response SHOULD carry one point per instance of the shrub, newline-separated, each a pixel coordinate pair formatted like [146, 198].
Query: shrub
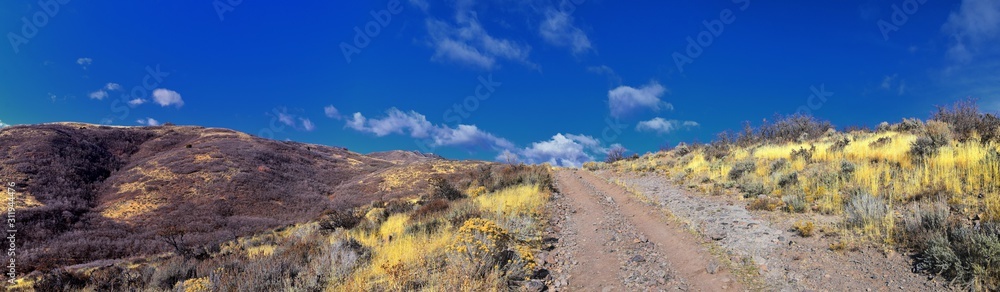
[911, 125]
[804, 228]
[967, 122]
[741, 168]
[923, 148]
[60, 280]
[784, 129]
[789, 179]
[779, 165]
[174, 270]
[432, 207]
[880, 142]
[348, 254]
[764, 203]
[752, 188]
[339, 219]
[803, 153]
[847, 168]
[865, 210]
[795, 201]
[839, 145]
[481, 246]
[441, 189]
[615, 154]
[966, 255]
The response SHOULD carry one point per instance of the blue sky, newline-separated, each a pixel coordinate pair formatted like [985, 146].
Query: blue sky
[545, 81]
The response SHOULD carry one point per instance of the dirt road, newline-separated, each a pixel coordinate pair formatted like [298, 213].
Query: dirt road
[609, 240]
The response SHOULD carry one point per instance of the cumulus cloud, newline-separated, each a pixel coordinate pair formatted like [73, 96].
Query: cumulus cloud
[971, 27]
[557, 29]
[417, 126]
[331, 112]
[626, 99]
[98, 95]
[136, 102]
[113, 87]
[165, 97]
[662, 126]
[84, 62]
[561, 150]
[466, 41]
[148, 122]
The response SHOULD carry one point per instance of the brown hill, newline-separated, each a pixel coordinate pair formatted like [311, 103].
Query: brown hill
[88, 192]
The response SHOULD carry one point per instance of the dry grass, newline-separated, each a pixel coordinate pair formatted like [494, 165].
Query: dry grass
[868, 178]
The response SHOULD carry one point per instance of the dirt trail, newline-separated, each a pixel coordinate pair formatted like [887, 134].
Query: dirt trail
[611, 241]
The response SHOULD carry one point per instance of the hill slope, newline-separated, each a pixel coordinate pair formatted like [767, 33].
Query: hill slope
[88, 192]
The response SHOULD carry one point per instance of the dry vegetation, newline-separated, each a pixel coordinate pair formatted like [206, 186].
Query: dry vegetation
[928, 187]
[481, 239]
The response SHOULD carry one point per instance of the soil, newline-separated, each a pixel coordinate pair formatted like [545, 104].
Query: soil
[639, 232]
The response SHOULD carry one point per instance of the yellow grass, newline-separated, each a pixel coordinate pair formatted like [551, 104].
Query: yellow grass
[519, 200]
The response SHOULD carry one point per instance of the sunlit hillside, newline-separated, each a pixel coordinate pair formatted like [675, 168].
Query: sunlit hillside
[931, 187]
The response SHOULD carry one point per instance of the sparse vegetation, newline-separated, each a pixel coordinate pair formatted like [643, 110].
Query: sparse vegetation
[482, 243]
[947, 167]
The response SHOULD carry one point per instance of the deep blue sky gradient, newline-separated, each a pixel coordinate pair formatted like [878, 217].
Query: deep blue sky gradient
[264, 58]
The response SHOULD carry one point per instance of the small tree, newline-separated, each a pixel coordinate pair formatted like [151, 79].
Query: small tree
[615, 154]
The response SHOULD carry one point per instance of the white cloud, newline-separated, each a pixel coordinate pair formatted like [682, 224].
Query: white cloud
[84, 62]
[662, 126]
[396, 122]
[113, 86]
[286, 118]
[307, 124]
[561, 150]
[136, 102]
[166, 97]
[976, 23]
[98, 95]
[148, 122]
[557, 29]
[626, 99]
[466, 41]
[331, 112]
[417, 126]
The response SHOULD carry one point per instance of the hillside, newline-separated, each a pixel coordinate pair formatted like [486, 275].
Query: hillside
[89, 192]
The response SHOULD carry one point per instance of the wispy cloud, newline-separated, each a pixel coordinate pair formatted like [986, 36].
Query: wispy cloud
[166, 97]
[557, 29]
[975, 26]
[606, 71]
[84, 62]
[417, 126]
[626, 99]
[307, 125]
[464, 40]
[102, 93]
[662, 126]
[331, 112]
